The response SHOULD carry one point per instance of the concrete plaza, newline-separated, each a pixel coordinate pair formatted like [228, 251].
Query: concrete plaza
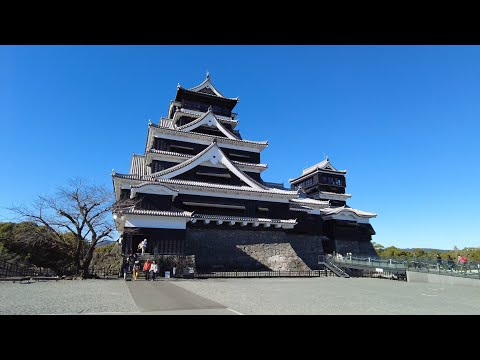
[278, 296]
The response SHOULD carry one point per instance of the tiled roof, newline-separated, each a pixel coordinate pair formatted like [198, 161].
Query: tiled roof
[207, 83]
[300, 208]
[161, 152]
[249, 219]
[205, 185]
[185, 163]
[138, 167]
[246, 179]
[322, 165]
[311, 202]
[328, 193]
[337, 210]
[200, 113]
[158, 213]
[130, 176]
[218, 124]
[226, 187]
[193, 134]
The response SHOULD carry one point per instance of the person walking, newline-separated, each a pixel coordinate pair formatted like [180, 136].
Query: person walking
[146, 269]
[450, 263]
[136, 270]
[153, 270]
[462, 261]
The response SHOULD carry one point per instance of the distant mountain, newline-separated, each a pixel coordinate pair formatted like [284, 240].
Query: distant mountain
[427, 250]
[105, 243]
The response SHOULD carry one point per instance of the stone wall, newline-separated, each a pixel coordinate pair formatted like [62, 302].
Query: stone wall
[255, 250]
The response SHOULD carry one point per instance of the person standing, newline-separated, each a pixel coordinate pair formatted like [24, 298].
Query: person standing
[143, 246]
[146, 269]
[450, 263]
[153, 270]
[126, 267]
[439, 262]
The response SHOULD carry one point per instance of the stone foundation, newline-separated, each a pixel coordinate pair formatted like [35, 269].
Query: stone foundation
[255, 250]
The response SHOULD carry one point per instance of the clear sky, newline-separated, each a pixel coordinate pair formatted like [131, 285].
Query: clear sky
[402, 120]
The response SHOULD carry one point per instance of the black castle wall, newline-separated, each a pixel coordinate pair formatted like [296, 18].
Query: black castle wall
[252, 249]
[276, 210]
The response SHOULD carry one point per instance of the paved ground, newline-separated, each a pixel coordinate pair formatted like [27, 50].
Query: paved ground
[164, 297]
[237, 296]
[65, 297]
[336, 296]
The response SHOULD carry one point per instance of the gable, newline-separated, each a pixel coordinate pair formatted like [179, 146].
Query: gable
[208, 120]
[207, 90]
[214, 155]
[208, 174]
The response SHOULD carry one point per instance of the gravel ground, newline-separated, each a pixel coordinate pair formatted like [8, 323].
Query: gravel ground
[336, 296]
[66, 297]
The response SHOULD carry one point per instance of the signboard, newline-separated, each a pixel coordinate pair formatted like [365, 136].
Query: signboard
[378, 269]
[167, 274]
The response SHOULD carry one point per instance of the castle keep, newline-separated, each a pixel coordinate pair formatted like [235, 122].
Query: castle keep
[198, 190]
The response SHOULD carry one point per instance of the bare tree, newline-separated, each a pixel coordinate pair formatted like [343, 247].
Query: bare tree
[79, 209]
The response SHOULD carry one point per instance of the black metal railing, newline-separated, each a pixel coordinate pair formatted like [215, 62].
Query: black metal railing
[262, 274]
[9, 269]
[368, 262]
[397, 266]
[12, 269]
[326, 261]
[469, 270]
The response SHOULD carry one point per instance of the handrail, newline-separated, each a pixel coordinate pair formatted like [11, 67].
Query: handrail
[470, 270]
[325, 260]
[370, 262]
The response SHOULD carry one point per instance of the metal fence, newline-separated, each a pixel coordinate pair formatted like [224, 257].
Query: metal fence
[469, 270]
[11, 269]
[262, 274]
[369, 267]
[395, 267]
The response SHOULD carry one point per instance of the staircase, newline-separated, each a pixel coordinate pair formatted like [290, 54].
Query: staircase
[325, 261]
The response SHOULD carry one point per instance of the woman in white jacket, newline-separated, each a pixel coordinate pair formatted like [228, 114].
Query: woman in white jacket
[153, 270]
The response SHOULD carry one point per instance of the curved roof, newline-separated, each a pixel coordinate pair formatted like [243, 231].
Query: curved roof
[214, 154]
[195, 135]
[324, 165]
[244, 218]
[346, 209]
[186, 214]
[207, 87]
[208, 119]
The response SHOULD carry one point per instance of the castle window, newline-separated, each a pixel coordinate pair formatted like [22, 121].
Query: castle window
[331, 180]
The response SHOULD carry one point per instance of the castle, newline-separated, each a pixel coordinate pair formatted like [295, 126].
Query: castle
[198, 191]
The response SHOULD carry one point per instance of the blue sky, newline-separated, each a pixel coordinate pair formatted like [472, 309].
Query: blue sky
[402, 120]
